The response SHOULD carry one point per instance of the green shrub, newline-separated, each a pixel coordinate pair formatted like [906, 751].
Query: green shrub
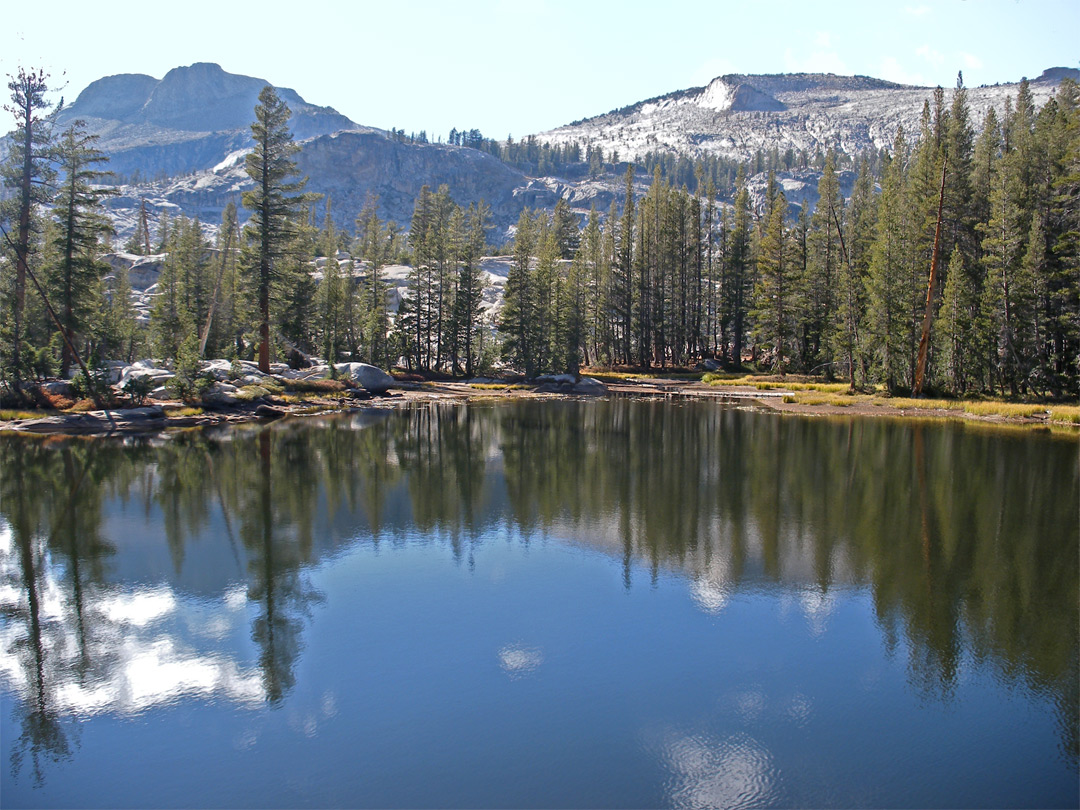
[188, 384]
[96, 386]
[137, 389]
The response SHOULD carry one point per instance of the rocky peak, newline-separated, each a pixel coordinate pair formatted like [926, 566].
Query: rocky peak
[728, 93]
[198, 98]
[202, 98]
[113, 97]
[1054, 75]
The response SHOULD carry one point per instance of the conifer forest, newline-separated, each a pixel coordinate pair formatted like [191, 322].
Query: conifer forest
[967, 232]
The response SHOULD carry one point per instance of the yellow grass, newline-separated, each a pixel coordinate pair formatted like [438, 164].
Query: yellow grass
[7, 416]
[175, 411]
[1069, 414]
[773, 383]
[906, 403]
[1008, 409]
[820, 398]
[499, 386]
[252, 392]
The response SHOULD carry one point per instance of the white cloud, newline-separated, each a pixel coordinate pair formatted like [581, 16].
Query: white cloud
[710, 69]
[823, 59]
[932, 56]
[971, 61]
[892, 70]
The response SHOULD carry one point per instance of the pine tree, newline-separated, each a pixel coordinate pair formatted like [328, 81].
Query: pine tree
[710, 305]
[294, 290]
[954, 333]
[374, 246]
[139, 243]
[1030, 308]
[331, 309]
[119, 334]
[170, 319]
[1002, 252]
[29, 170]
[470, 285]
[1064, 240]
[924, 195]
[622, 281]
[595, 286]
[890, 280]
[862, 219]
[76, 279]
[275, 203]
[575, 307]
[738, 276]
[823, 271]
[432, 241]
[565, 223]
[517, 321]
[547, 321]
[957, 211]
[772, 310]
[223, 329]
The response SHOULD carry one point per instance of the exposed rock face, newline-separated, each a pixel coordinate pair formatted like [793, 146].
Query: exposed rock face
[371, 378]
[350, 166]
[143, 271]
[114, 98]
[590, 387]
[737, 115]
[185, 122]
[190, 130]
[567, 384]
[799, 187]
[727, 93]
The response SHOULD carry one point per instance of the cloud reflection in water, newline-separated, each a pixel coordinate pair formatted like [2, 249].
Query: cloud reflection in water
[147, 642]
[731, 772]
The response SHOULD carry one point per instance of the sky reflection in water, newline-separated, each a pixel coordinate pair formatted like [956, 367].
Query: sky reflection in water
[571, 604]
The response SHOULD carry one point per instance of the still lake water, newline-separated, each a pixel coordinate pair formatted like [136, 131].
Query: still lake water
[612, 603]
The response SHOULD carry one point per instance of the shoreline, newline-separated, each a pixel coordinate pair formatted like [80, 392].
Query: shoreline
[156, 417]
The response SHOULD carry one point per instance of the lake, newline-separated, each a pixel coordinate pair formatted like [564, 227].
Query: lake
[619, 603]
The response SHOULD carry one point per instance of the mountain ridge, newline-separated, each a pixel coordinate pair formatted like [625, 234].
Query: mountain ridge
[807, 112]
[150, 125]
[182, 138]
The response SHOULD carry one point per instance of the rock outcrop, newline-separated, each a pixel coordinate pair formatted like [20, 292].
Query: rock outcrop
[187, 121]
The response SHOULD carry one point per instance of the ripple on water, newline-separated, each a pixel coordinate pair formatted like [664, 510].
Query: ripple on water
[731, 772]
[518, 661]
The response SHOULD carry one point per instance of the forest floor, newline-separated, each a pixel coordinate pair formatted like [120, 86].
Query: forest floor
[792, 395]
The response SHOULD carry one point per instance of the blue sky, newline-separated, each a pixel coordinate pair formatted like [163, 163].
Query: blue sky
[522, 66]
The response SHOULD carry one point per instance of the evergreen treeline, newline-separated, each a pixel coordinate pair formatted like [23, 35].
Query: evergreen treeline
[668, 278]
[541, 158]
[665, 279]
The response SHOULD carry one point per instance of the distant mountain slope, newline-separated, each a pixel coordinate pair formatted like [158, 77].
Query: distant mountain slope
[185, 136]
[350, 167]
[736, 115]
[188, 121]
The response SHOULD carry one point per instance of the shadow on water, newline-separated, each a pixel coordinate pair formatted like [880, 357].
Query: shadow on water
[967, 540]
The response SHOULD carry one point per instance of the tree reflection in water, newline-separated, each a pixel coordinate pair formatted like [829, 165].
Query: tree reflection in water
[967, 539]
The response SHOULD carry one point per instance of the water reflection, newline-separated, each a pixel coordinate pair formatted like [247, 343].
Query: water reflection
[736, 772]
[135, 574]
